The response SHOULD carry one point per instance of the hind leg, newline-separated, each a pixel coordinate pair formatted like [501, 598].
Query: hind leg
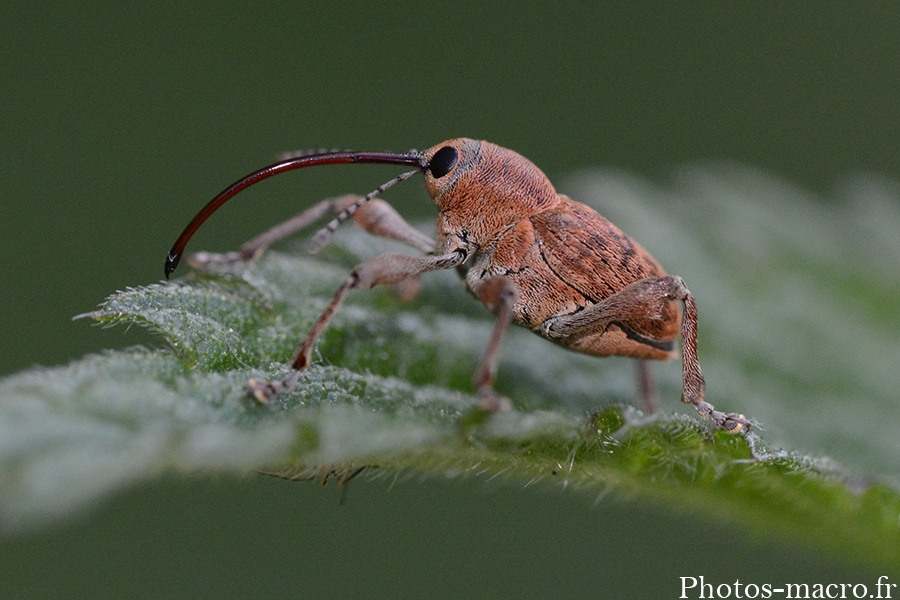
[646, 299]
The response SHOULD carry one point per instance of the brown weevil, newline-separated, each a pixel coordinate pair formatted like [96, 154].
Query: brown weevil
[534, 257]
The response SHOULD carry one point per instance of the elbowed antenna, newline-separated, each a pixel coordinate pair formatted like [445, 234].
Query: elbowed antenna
[411, 158]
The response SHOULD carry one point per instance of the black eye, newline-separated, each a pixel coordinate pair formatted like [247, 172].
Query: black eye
[443, 161]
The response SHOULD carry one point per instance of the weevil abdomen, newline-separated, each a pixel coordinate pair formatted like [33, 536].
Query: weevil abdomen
[567, 259]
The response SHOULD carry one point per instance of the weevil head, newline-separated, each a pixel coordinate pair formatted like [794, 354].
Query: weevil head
[482, 189]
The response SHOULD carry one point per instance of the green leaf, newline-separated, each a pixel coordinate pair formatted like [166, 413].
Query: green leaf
[390, 385]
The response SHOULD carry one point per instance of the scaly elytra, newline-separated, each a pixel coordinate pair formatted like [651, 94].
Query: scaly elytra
[534, 257]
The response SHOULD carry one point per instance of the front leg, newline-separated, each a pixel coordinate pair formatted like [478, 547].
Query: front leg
[376, 216]
[386, 269]
[646, 299]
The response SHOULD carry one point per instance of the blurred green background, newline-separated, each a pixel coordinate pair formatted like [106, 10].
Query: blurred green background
[119, 122]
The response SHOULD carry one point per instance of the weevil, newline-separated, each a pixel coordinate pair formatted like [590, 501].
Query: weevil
[533, 256]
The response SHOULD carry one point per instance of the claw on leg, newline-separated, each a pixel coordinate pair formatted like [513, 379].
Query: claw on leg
[730, 422]
[492, 402]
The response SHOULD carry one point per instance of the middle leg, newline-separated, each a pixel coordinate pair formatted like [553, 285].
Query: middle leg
[499, 295]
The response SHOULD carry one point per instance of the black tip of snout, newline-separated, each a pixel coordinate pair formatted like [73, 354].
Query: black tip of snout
[171, 263]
